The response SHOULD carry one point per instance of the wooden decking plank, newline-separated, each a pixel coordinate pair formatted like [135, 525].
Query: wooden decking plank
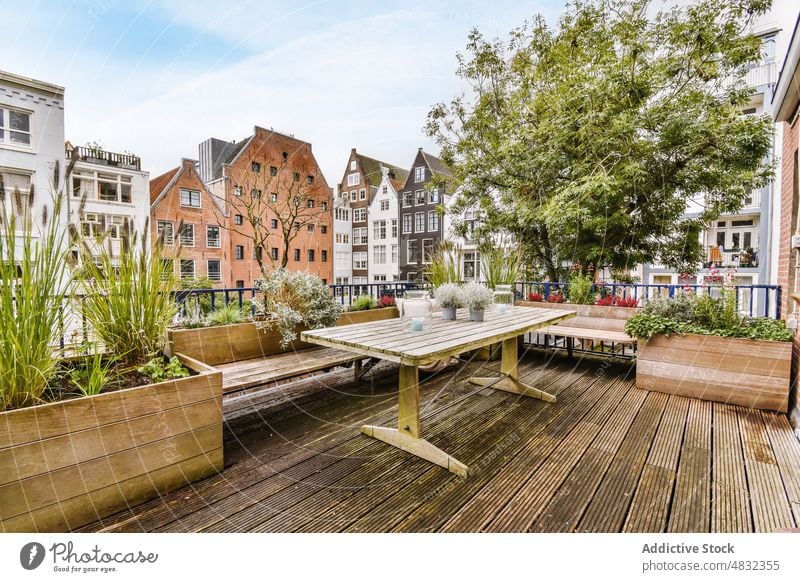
[607, 511]
[691, 506]
[730, 506]
[768, 499]
[787, 455]
[481, 509]
[666, 447]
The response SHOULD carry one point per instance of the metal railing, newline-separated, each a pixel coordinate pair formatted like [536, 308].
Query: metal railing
[98, 156]
[721, 257]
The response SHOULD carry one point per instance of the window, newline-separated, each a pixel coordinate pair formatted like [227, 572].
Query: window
[471, 265]
[239, 283]
[360, 260]
[296, 256]
[408, 220]
[379, 254]
[310, 228]
[427, 250]
[323, 229]
[379, 229]
[213, 240]
[433, 221]
[187, 235]
[353, 196]
[742, 222]
[15, 127]
[273, 171]
[255, 194]
[394, 254]
[309, 179]
[256, 167]
[190, 198]
[359, 215]
[187, 269]
[101, 186]
[310, 255]
[296, 176]
[384, 205]
[309, 203]
[237, 191]
[273, 197]
[408, 199]
[433, 196]
[419, 174]
[257, 254]
[324, 256]
[214, 271]
[353, 179]
[167, 268]
[379, 278]
[394, 228]
[165, 231]
[352, 165]
[419, 222]
[273, 223]
[721, 239]
[238, 219]
[360, 236]
[362, 194]
[342, 238]
[419, 197]
[342, 214]
[273, 253]
[413, 250]
[239, 252]
[385, 190]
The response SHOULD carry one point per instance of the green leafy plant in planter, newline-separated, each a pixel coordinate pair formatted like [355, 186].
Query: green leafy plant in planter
[158, 370]
[363, 303]
[581, 289]
[289, 300]
[227, 315]
[92, 373]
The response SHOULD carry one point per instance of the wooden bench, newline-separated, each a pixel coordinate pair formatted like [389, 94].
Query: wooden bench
[250, 357]
[595, 323]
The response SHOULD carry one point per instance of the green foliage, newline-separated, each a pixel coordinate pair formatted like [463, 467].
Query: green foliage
[128, 299]
[717, 312]
[581, 289]
[680, 307]
[198, 306]
[646, 325]
[445, 265]
[93, 373]
[158, 371]
[289, 300]
[227, 315]
[363, 303]
[500, 266]
[593, 134]
[33, 278]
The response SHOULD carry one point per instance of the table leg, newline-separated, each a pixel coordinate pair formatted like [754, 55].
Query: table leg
[509, 375]
[406, 436]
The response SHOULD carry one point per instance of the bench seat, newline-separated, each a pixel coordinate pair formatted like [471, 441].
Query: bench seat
[244, 374]
[588, 333]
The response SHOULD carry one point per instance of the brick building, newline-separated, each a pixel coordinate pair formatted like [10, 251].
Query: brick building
[190, 218]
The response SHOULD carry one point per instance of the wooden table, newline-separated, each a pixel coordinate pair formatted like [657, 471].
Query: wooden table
[392, 340]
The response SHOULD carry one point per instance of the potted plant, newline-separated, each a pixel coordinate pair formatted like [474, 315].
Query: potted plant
[450, 297]
[477, 298]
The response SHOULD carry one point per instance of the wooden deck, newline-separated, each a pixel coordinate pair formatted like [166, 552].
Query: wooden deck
[605, 457]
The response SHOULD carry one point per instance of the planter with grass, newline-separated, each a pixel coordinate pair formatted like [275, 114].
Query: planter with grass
[701, 347]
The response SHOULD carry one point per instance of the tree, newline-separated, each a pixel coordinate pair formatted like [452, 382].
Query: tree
[596, 134]
[284, 193]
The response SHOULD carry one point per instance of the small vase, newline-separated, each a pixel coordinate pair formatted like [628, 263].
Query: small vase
[476, 314]
[449, 313]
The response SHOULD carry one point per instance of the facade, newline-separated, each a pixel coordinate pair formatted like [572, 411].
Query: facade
[384, 230]
[192, 224]
[31, 145]
[106, 191]
[420, 214]
[278, 206]
[741, 240]
[342, 236]
[360, 182]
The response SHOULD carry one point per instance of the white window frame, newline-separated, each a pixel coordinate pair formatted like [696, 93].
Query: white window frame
[409, 254]
[394, 228]
[361, 235]
[433, 196]
[219, 236]
[394, 254]
[433, 221]
[360, 260]
[194, 268]
[408, 228]
[419, 198]
[379, 229]
[408, 197]
[427, 260]
[379, 254]
[419, 225]
[6, 130]
[353, 179]
[236, 254]
[419, 174]
[191, 193]
[384, 205]
[161, 225]
[362, 194]
[208, 270]
[352, 165]
[181, 234]
[359, 215]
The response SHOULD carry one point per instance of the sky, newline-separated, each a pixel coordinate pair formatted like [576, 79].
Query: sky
[157, 77]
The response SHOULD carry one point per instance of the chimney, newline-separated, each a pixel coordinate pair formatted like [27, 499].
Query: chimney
[210, 151]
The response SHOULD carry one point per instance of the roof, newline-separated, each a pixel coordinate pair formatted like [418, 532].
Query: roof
[372, 170]
[229, 152]
[787, 91]
[436, 165]
[159, 183]
[55, 90]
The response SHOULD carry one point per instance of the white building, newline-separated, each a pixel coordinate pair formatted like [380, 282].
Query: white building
[107, 190]
[31, 144]
[383, 239]
[342, 240]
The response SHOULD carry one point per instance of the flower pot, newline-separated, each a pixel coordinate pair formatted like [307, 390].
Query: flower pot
[449, 313]
[476, 314]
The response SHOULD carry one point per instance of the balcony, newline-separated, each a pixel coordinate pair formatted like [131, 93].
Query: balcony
[720, 257]
[765, 73]
[104, 158]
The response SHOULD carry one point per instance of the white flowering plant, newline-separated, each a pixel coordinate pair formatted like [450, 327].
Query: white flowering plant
[289, 300]
[477, 296]
[449, 296]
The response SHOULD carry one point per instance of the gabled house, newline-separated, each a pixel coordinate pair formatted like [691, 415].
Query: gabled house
[421, 211]
[384, 240]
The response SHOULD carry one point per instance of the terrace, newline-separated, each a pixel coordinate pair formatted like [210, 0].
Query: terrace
[606, 457]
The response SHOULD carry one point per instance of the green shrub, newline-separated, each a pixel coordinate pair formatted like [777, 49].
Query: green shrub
[680, 307]
[227, 315]
[500, 266]
[93, 373]
[581, 289]
[158, 371]
[363, 303]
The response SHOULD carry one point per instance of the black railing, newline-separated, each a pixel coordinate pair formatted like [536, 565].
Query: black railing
[102, 157]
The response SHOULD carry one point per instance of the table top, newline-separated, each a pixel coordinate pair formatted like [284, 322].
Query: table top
[392, 340]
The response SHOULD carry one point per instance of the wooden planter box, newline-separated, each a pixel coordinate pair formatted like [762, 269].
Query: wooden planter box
[66, 464]
[750, 373]
[244, 341]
